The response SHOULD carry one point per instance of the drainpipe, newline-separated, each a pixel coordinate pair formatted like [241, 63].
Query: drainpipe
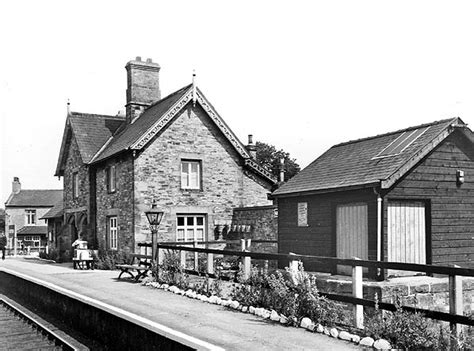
[379, 230]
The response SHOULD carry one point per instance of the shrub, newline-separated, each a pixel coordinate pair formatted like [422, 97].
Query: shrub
[108, 260]
[171, 272]
[412, 331]
[251, 291]
[291, 294]
[51, 255]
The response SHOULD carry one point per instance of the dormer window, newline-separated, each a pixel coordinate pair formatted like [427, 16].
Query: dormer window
[190, 174]
[111, 179]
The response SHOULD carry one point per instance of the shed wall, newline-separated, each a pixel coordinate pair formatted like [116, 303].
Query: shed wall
[319, 236]
[451, 218]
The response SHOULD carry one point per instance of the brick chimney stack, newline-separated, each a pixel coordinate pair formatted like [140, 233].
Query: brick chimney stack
[16, 185]
[143, 87]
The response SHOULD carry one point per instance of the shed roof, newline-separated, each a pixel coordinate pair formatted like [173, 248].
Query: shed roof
[56, 212]
[34, 198]
[33, 230]
[367, 162]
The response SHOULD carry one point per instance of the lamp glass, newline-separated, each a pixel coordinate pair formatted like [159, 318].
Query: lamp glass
[154, 216]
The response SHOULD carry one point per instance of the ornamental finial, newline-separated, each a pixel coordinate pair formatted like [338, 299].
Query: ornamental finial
[194, 88]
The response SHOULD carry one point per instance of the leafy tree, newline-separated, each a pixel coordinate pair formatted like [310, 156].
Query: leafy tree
[269, 156]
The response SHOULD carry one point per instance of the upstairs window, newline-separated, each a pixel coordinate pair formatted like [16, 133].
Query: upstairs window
[190, 228]
[30, 217]
[111, 179]
[75, 185]
[190, 175]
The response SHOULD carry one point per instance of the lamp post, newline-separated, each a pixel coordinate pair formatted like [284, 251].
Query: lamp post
[154, 216]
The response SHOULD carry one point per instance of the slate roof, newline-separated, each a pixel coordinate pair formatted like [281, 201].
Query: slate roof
[124, 139]
[35, 198]
[56, 212]
[355, 163]
[93, 131]
[100, 137]
[33, 230]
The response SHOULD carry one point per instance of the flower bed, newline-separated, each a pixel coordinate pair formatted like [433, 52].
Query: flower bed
[292, 299]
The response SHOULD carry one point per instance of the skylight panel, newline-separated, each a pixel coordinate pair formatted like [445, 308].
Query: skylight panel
[402, 142]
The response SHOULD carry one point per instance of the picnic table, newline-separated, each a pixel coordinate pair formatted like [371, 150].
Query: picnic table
[138, 267]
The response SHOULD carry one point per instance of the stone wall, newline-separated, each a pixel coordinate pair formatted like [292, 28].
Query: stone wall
[74, 164]
[421, 291]
[118, 203]
[256, 223]
[225, 183]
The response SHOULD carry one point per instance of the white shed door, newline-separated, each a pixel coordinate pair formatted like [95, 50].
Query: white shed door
[406, 240]
[351, 233]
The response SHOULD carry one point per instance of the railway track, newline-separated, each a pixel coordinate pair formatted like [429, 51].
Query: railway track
[20, 331]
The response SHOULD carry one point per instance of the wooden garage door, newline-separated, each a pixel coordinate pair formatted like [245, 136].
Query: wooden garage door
[351, 233]
[406, 240]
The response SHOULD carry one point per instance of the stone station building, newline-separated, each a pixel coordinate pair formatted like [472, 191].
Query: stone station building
[176, 150]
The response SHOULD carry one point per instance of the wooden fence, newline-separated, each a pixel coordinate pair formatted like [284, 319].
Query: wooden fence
[455, 316]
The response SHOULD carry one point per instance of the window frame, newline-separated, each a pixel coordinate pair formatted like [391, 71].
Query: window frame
[75, 185]
[194, 227]
[111, 179]
[112, 233]
[188, 186]
[30, 214]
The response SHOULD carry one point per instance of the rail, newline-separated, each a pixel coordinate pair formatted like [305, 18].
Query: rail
[455, 316]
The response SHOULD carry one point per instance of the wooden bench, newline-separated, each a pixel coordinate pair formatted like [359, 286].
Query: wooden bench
[140, 264]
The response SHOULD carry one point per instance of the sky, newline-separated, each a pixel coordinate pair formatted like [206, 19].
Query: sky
[300, 75]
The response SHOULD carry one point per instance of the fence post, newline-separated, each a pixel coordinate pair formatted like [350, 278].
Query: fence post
[196, 257]
[182, 259]
[247, 267]
[159, 258]
[248, 244]
[242, 244]
[210, 270]
[455, 301]
[357, 292]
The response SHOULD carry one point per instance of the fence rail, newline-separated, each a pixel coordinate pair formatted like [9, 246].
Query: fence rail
[455, 317]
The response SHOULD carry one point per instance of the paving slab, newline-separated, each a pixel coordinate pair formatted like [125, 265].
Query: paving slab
[217, 325]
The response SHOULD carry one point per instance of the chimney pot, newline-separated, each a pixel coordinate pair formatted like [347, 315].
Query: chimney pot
[251, 148]
[138, 58]
[282, 169]
[149, 60]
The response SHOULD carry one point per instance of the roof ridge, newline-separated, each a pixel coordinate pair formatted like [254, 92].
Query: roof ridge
[167, 97]
[396, 132]
[76, 113]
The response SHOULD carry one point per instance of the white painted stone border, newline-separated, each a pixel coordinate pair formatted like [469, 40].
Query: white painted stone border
[305, 323]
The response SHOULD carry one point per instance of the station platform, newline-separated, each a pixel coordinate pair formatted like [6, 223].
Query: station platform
[192, 322]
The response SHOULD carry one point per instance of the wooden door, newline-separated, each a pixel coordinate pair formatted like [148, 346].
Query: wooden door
[351, 233]
[406, 236]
